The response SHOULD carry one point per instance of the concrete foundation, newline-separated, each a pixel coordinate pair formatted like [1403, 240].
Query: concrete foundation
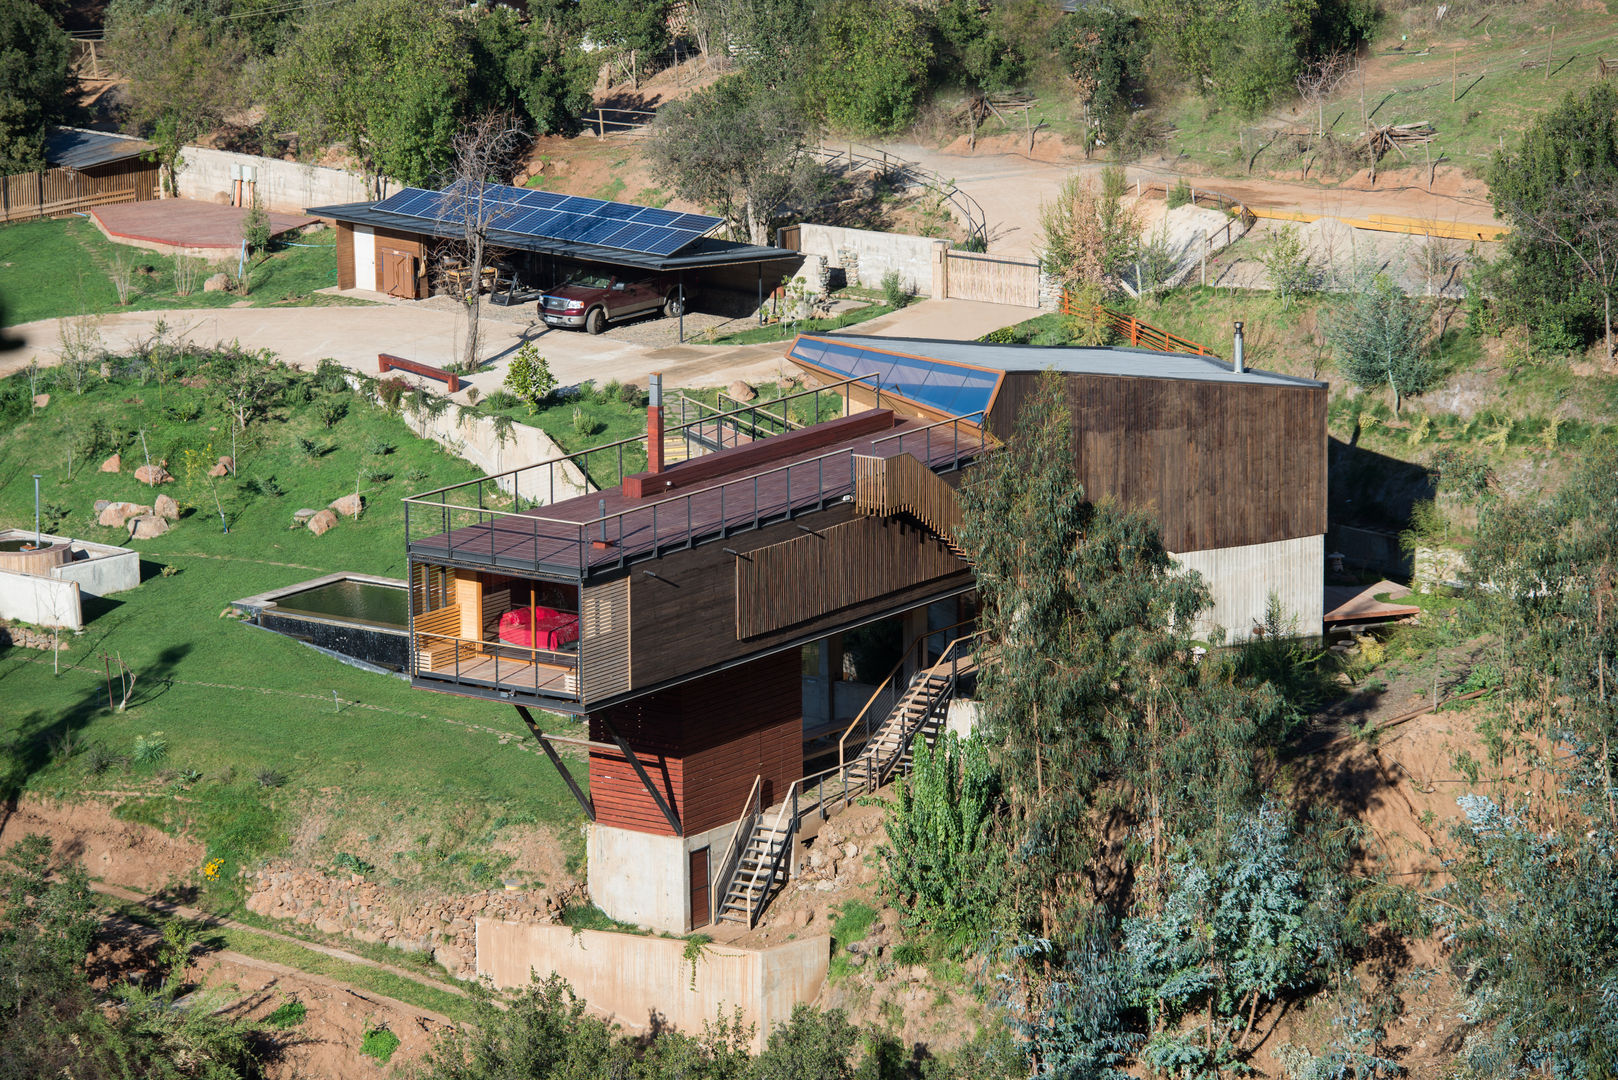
[41, 601]
[1242, 580]
[645, 879]
[644, 982]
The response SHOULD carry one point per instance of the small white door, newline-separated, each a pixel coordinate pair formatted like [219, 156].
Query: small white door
[365, 258]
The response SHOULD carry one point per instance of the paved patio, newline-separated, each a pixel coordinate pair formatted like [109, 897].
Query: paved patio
[197, 228]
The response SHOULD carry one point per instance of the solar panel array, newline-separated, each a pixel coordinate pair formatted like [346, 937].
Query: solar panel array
[574, 218]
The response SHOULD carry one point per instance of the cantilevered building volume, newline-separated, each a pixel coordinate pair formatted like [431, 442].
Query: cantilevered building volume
[758, 627]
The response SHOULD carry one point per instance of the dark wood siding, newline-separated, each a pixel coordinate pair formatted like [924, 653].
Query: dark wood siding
[1221, 464]
[702, 743]
[682, 620]
[345, 256]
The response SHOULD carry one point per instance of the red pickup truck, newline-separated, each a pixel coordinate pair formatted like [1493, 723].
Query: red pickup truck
[592, 301]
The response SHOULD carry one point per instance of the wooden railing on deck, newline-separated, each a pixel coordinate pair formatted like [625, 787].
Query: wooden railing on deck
[903, 485]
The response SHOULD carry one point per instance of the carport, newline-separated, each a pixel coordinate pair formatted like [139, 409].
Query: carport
[542, 239]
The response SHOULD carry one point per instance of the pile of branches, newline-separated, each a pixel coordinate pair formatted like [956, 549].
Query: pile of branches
[1380, 140]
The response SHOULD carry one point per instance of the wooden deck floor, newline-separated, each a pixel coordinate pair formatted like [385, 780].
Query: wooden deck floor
[509, 675]
[553, 538]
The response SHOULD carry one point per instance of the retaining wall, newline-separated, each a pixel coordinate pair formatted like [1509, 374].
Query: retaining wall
[40, 600]
[639, 980]
[876, 253]
[284, 186]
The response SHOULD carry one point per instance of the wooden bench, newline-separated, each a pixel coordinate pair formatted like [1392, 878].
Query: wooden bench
[386, 362]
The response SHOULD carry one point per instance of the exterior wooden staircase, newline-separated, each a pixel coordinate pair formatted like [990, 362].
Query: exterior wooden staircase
[902, 484]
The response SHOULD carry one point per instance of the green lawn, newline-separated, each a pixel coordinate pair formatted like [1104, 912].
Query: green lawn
[781, 331]
[596, 416]
[50, 269]
[414, 782]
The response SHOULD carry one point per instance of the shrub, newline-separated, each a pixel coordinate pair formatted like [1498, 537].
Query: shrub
[1292, 269]
[379, 447]
[1180, 193]
[584, 423]
[630, 394]
[270, 778]
[391, 393]
[150, 749]
[256, 228]
[331, 409]
[1379, 335]
[380, 1043]
[288, 1014]
[529, 377]
[896, 293]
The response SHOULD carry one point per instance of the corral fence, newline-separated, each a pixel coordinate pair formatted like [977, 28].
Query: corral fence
[1241, 216]
[26, 196]
[1140, 335]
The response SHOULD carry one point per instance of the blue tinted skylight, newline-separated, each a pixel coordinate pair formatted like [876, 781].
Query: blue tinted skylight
[953, 389]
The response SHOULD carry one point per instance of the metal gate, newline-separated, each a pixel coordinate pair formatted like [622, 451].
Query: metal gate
[985, 277]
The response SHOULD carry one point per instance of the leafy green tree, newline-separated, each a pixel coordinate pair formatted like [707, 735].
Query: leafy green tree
[185, 77]
[973, 50]
[528, 375]
[1561, 266]
[1103, 51]
[740, 146]
[33, 83]
[1090, 235]
[539, 1030]
[532, 68]
[1291, 267]
[635, 31]
[386, 79]
[810, 1043]
[1380, 338]
[870, 66]
[768, 37]
[939, 865]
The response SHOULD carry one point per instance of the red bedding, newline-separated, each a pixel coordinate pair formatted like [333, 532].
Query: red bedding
[539, 628]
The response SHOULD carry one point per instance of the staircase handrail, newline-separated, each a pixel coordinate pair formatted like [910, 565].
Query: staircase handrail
[897, 667]
[786, 828]
[934, 701]
[738, 840]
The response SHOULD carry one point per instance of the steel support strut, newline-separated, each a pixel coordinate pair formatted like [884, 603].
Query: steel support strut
[585, 802]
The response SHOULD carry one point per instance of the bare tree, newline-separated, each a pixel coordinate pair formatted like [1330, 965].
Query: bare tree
[1581, 218]
[1319, 80]
[486, 151]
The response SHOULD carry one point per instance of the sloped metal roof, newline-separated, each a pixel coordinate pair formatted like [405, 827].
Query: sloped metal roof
[77, 148]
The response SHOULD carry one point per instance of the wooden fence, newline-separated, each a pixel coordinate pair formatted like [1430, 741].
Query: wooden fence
[27, 196]
[1141, 335]
[968, 276]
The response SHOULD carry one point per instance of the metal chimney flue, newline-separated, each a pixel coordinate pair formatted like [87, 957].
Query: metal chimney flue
[1239, 355]
[654, 423]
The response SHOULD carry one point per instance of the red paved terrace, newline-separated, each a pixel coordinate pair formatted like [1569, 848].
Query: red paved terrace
[195, 227]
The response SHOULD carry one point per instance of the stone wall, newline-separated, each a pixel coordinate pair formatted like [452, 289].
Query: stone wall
[24, 638]
[350, 905]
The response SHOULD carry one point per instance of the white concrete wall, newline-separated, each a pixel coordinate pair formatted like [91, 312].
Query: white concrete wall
[474, 440]
[633, 979]
[98, 568]
[285, 186]
[42, 601]
[638, 878]
[912, 256]
[1242, 579]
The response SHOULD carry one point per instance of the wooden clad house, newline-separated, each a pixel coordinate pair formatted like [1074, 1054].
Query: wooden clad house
[722, 623]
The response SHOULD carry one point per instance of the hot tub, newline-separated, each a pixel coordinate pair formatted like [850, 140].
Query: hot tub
[354, 615]
[21, 556]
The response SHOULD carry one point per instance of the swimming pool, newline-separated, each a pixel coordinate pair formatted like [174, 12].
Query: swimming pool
[354, 615]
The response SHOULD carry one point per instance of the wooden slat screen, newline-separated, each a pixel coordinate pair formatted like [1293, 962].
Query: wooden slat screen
[996, 280]
[604, 639]
[903, 485]
[804, 578]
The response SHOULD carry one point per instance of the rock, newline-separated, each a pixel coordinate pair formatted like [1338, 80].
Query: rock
[322, 522]
[850, 850]
[41, 400]
[328, 926]
[349, 505]
[450, 957]
[216, 283]
[165, 507]
[801, 918]
[741, 391]
[303, 515]
[147, 527]
[153, 474]
[101, 504]
[113, 464]
[218, 472]
[226, 466]
[115, 514]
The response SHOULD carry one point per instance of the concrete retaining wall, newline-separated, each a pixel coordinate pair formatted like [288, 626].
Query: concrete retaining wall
[284, 186]
[40, 600]
[1242, 580]
[474, 440]
[636, 980]
[876, 253]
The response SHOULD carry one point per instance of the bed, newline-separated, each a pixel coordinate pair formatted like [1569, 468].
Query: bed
[539, 628]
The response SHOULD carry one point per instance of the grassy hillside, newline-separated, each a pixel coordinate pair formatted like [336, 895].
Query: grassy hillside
[424, 779]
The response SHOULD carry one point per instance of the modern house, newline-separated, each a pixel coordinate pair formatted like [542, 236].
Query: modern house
[757, 626]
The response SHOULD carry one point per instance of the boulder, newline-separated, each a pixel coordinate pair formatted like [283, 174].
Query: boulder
[115, 514]
[113, 464]
[226, 466]
[166, 508]
[741, 391]
[321, 522]
[147, 527]
[41, 400]
[300, 517]
[218, 472]
[153, 474]
[216, 283]
[349, 505]
[102, 504]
